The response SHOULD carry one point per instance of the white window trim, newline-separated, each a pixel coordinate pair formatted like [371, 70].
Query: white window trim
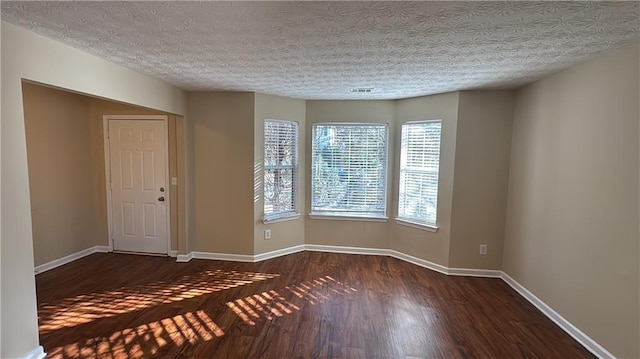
[351, 216]
[288, 216]
[405, 221]
[293, 214]
[417, 225]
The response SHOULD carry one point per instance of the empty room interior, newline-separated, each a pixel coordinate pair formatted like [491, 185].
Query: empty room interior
[320, 180]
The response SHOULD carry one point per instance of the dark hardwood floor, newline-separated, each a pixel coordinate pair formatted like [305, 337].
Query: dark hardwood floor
[304, 305]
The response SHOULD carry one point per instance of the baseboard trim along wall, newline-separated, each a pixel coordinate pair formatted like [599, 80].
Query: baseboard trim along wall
[346, 250]
[223, 256]
[419, 262]
[184, 257]
[278, 253]
[563, 323]
[468, 272]
[70, 258]
[35, 353]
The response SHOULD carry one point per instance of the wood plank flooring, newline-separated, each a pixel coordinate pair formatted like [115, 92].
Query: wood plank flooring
[304, 305]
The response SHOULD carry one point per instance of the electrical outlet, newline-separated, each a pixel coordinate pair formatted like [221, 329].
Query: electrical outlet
[174, 181]
[483, 249]
[267, 234]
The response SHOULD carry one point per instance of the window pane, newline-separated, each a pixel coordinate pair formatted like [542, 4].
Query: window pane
[419, 164]
[349, 168]
[280, 161]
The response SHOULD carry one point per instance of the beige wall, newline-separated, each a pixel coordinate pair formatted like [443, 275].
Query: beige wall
[481, 175]
[223, 138]
[289, 233]
[64, 217]
[180, 191]
[22, 58]
[352, 233]
[420, 243]
[572, 231]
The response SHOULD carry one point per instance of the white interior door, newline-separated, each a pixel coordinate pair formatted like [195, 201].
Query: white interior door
[137, 156]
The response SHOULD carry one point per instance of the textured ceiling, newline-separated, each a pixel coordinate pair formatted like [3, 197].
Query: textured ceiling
[321, 50]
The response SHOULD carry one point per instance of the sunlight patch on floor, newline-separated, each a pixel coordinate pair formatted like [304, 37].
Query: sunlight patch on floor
[192, 327]
[86, 308]
[268, 305]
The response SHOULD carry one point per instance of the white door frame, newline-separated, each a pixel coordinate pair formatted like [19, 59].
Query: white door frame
[107, 163]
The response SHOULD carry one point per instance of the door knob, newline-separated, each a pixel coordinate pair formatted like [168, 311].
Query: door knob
[161, 199]
[161, 189]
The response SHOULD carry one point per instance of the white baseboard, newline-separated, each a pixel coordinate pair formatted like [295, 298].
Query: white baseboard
[35, 353]
[223, 256]
[470, 272]
[184, 257]
[346, 250]
[173, 253]
[70, 258]
[419, 262]
[278, 253]
[101, 249]
[564, 324]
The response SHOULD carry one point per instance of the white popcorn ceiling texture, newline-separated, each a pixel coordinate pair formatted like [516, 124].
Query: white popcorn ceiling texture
[321, 50]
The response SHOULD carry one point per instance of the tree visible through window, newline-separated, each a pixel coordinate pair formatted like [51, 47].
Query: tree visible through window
[349, 169]
[419, 165]
[280, 168]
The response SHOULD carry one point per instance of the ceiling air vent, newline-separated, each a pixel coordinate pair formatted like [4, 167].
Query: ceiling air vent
[362, 90]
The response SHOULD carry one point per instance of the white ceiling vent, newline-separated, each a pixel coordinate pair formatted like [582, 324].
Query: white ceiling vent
[362, 90]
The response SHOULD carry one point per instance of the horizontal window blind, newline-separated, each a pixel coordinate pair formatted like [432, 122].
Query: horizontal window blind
[419, 166]
[280, 167]
[349, 169]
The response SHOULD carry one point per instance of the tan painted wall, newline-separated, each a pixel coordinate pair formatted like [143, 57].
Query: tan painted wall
[22, 58]
[289, 233]
[572, 235]
[181, 190]
[350, 233]
[433, 247]
[64, 216]
[189, 135]
[481, 176]
[223, 125]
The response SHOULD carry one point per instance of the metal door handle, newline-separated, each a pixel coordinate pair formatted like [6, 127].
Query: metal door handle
[161, 199]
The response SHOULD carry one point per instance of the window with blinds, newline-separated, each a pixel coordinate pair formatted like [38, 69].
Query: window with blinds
[280, 168]
[349, 170]
[419, 164]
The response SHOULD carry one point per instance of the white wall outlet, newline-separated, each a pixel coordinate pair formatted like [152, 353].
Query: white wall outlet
[174, 181]
[267, 234]
[483, 249]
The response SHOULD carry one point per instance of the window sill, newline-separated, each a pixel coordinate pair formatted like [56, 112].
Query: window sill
[424, 227]
[283, 218]
[348, 218]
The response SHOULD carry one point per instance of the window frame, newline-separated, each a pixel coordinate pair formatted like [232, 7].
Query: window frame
[412, 222]
[351, 215]
[294, 212]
